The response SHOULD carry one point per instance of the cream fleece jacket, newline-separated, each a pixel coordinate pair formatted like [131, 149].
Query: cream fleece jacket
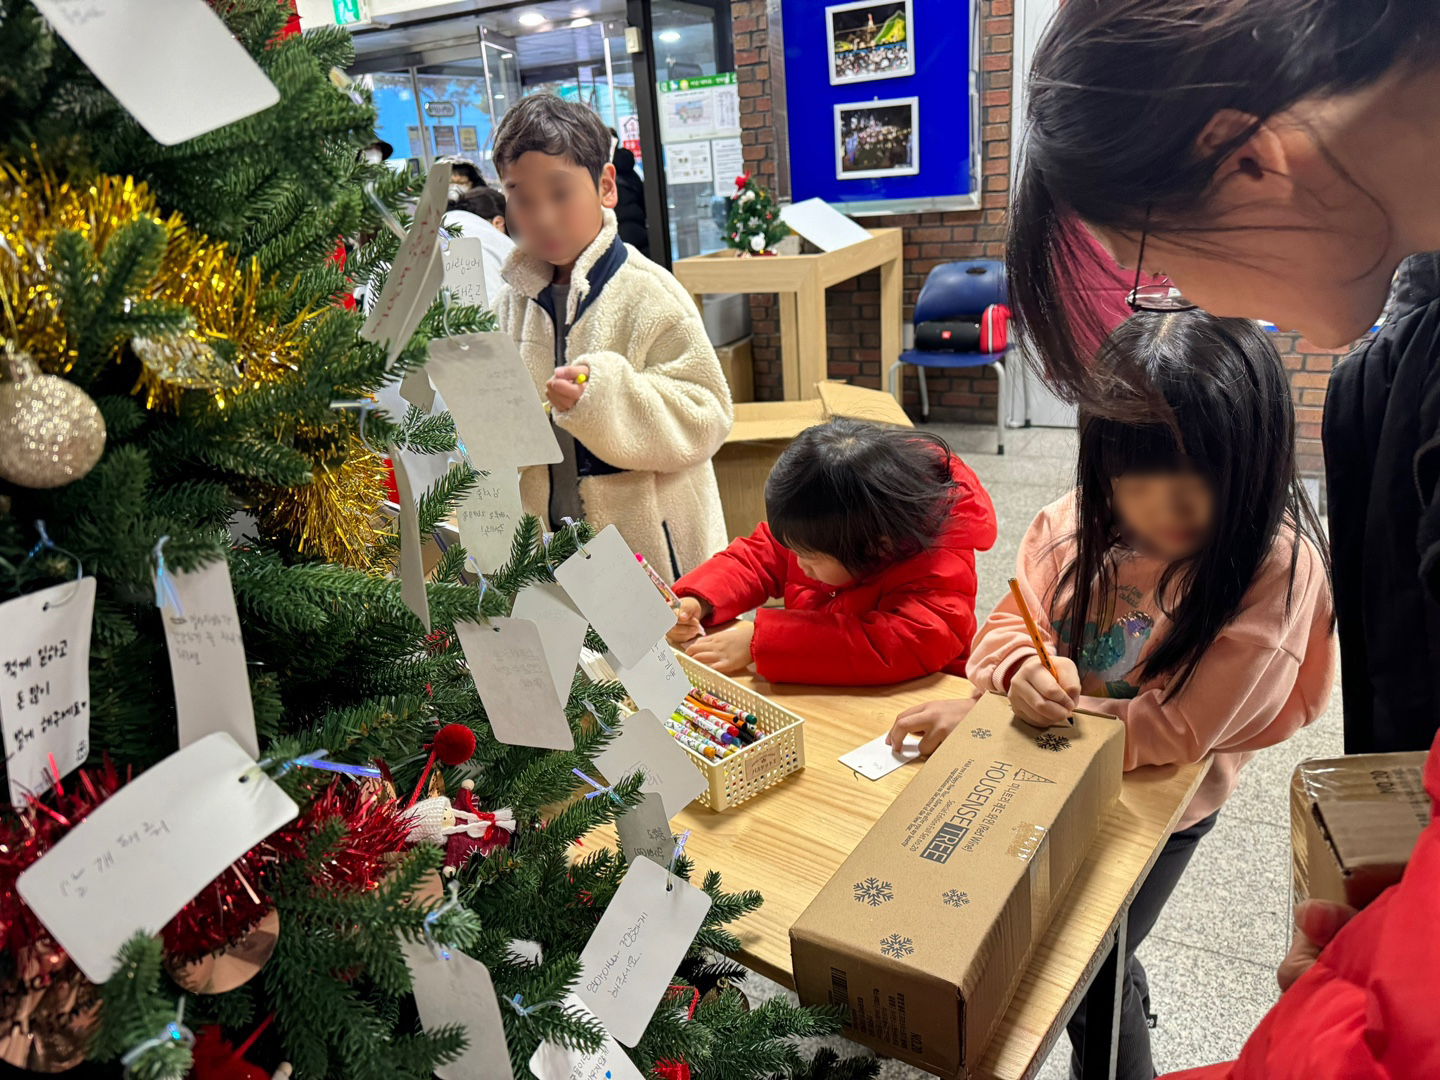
[656, 402]
[1266, 676]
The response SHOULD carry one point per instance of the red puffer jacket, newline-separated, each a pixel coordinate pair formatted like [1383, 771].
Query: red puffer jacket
[914, 618]
[1369, 1009]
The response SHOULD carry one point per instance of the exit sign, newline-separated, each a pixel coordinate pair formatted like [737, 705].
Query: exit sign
[350, 11]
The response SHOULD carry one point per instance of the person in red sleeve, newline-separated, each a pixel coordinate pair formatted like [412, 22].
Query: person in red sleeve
[871, 542]
[1360, 991]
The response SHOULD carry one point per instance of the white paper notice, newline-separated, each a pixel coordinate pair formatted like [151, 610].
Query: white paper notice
[617, 596]
[823, 225]
[644, 831]
[728, 159]
[45, 684]
[412, 565]
[875, 759]
[629, 960]
[148, 850]
[657, 682]
[464, 261]
[555, 1062]
[194, 76]
[562, 630]
[507, 662]
[207, 659]
[493, 399]
[688, 163]
[416, 274]
[487, 517]
[644, 745]
[458, 992]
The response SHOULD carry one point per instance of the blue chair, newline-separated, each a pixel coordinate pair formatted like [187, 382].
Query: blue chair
[958, 290]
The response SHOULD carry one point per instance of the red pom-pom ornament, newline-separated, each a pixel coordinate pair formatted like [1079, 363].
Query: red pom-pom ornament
[453, 745]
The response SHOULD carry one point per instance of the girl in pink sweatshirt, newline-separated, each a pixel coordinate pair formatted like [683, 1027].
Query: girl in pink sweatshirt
[1182, 586]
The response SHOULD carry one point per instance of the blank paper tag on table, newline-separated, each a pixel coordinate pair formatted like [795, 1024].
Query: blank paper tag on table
[493, 400]
[562, 630]
[416, 274]
[645, 745]
[464, 263]
[644, 831]
[458, 992]
[412, 563]
[507, 662]
[551, 1061]
[45, 684]
[487, 518]
[613, 591]
[173, 64]
[207, 658]
[657, 682]
[628, 963]
[149, 849]
[875, 759]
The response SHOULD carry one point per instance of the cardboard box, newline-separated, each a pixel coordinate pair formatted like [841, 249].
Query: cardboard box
[925, 930]
[1353, 823]
[764, 428]
[737, 360]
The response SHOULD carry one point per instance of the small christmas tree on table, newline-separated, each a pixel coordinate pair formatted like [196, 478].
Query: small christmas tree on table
[175, 326]
[752, 224]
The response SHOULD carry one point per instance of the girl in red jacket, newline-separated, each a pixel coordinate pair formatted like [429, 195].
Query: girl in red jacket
[871, 541]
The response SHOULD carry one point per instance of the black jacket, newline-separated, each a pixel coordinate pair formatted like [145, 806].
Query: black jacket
[1382, 469]
[630, 202]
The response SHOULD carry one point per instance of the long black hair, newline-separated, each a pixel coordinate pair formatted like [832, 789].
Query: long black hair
[1232, 421]
[1120, 92]
[866, 495]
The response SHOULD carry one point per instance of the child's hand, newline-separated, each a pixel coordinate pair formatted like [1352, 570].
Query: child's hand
[566, 385]
[1038, 698]
[933, 721]
[727, 651]
[1316, 923]
[687, 621]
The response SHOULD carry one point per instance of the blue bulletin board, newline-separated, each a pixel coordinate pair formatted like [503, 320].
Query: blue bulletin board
[882, 103]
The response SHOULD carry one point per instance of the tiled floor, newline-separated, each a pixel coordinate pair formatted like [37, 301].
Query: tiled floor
[1212, 957]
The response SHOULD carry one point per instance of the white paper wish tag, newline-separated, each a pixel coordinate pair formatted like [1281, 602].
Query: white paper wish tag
[613, 591]
[415, 388]
[493, 399]
[629, 960]
[562, 630]
[458, 992]
[487, 518]
[465, 271]
[507, 662]
[207, 658]
[645, 746]
[875, 759]
[172, 63]
[146, 851]
[45, 684]
[644, 831]
[415, 276]
[412, 563]
[555, 1062]
[657, 682]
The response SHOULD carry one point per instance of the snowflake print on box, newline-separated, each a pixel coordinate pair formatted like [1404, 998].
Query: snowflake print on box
[1053, 742]
[980, 733]
[955, 898]
[895, 945]
[873, 891]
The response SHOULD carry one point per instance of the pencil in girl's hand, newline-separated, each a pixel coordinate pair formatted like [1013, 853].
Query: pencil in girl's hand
[1034, 631]
[665, 591]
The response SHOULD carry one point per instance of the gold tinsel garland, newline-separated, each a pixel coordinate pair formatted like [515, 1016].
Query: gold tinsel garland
[236, 345]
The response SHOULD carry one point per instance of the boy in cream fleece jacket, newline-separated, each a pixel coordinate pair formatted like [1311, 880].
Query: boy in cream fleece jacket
[614, 344]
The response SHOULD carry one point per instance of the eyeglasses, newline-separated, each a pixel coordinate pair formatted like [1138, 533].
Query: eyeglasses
[1154, 297]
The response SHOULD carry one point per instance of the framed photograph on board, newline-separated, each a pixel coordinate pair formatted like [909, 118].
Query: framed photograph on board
[877, 138]
[871, 39]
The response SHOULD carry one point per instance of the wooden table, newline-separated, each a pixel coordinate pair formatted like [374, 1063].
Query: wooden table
[789, 840]
[801, 281]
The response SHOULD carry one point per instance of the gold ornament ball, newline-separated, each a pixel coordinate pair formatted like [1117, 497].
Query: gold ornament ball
[51, 433]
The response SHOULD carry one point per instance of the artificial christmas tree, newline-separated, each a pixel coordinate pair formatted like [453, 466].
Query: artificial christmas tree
[191, 292]
[752, 223]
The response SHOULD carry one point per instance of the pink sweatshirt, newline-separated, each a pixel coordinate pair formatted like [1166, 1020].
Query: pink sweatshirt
[1267, 675]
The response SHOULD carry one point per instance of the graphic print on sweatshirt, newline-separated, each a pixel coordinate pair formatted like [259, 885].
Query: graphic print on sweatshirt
[1107, 658]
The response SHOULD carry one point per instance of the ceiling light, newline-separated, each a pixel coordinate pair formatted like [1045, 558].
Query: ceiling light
[582, 21]
[531, 18]
[507, 56]
[499, 97]
[670, 36]
[580, 12]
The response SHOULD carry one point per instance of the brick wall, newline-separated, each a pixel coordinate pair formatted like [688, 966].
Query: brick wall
[930, 239]
[1309, 368]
